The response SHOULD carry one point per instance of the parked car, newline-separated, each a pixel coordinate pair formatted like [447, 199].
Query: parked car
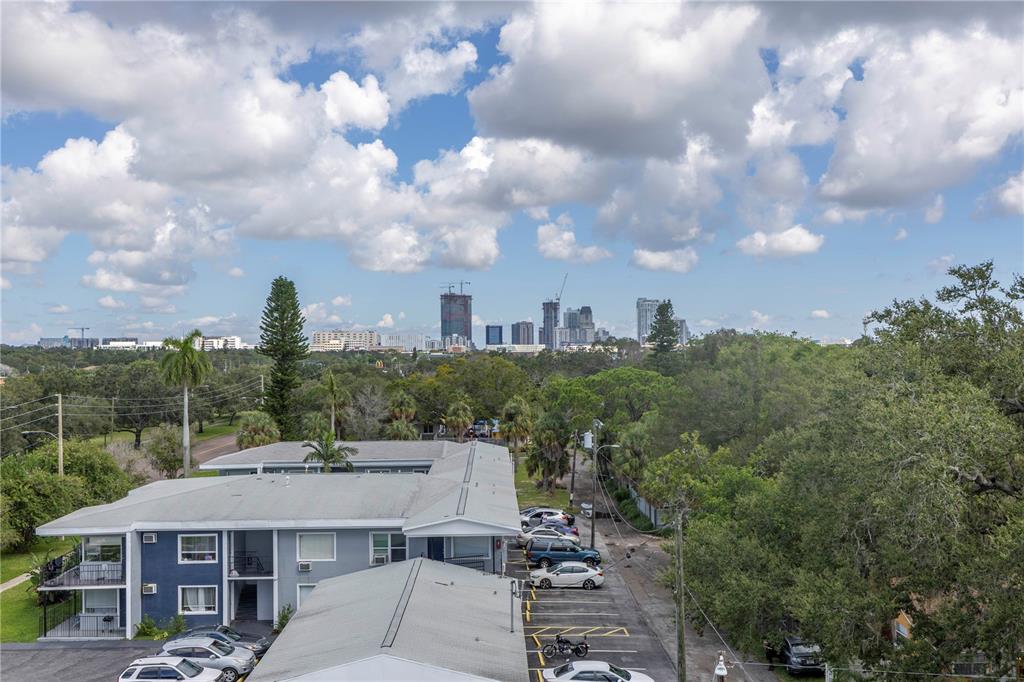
[558, 525]
[254, 643]
[233, 661]
[548, 532]
[594, 670]
[537, 516]
[801, 657]
[568, 574]
[547, 552]
[169, 668]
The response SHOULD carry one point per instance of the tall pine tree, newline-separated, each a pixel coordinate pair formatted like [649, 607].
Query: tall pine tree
[282, 340]
[664, 331]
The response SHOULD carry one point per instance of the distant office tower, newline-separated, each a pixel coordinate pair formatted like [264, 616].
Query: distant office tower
[457, 316]
[493, 335]
[587, 333]
[522, 333]
[550, 324]
[601, 334]
[645, 310]
[682, 330]
[571, 318]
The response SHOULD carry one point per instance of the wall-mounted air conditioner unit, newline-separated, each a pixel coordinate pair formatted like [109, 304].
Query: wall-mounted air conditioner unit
[149, 538]
[148, 588]
[305, 566]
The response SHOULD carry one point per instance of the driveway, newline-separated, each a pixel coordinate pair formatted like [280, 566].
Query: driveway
[79, 661]
[607, 617]
[206, 450]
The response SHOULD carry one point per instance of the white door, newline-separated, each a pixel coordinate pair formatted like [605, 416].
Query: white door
[304, 591]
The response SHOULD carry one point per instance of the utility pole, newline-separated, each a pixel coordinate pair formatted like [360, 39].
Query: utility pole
[593, 496]
[60, 435]
[572, 480]
[186, 446]
[680, 598]
[261, 389]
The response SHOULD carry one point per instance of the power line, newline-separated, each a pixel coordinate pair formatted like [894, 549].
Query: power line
[11, 407]
[28, 412]
[24, 424]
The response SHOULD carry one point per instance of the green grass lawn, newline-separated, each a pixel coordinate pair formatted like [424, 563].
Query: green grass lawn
[212, 429]
[531, 496]
[20, 621]
[15, 563]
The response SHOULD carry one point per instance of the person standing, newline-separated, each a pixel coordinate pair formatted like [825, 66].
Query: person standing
[770, 654]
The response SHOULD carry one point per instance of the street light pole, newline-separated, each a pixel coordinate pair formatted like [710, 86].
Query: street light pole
[60, 448]
[60, 435]
[593, 498]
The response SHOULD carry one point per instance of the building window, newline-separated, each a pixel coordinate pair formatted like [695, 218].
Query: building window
[477, 547]
[386, 547]
[197, 599]
[197, 549]
[315, 547]
[105, 548]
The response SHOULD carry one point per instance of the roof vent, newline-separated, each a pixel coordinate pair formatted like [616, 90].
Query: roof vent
[287, 480]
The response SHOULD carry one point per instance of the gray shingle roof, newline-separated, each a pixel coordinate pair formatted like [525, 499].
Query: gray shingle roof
[471, 483]
[292, 451]
[433, 613]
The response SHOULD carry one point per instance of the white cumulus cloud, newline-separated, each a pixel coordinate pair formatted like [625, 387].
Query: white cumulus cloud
[111, 303]
[676, 260]
[820, 314]
[557, 241]
[795, 241]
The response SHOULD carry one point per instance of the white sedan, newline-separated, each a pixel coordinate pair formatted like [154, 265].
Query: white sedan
[594, 670]
[547, 533]
[567, 574]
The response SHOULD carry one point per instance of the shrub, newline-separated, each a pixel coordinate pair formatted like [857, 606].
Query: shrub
[283, 616]
[147, 629]
[255, 429]
[164, 450]
[176, 625]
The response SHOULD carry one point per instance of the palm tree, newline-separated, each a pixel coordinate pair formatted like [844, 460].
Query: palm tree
[402, 407]
[332, 454]
[256, 429]
[337, 398]
[400, 429]
[548, 456]
[185, 366]
[459, 418]
[517, 422]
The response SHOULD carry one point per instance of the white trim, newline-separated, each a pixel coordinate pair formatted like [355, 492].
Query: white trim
[216, 549]
[334, 546]
[216, 593]
[298, 464]
[276, 573]
[298, 593]
[128, 625]
[504, 530]
[227, 544]
[186, 526]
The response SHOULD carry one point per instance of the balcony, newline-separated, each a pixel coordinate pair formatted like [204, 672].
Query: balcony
[65, 620]
[87, 575]
[70, 572]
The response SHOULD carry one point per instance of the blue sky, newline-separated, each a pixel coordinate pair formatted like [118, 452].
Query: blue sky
[760, 172]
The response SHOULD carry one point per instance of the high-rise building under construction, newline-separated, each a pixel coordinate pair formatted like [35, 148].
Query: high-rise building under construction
[457, 315]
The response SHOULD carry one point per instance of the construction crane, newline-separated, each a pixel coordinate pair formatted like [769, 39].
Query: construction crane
[451, 285]
[81, 329]
[558, 296]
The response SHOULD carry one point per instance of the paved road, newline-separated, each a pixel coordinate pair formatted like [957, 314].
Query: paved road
[79, 661]
[215, 447]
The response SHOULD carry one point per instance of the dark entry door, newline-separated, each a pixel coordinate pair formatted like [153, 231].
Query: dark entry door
[435, 548]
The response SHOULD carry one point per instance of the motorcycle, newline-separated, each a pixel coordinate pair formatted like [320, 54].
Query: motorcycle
[564, 645]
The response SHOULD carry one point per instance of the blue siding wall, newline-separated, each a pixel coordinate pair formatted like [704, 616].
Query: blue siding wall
[160, 565]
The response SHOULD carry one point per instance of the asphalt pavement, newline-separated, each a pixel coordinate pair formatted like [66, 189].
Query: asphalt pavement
[606, 617]
[78, 661]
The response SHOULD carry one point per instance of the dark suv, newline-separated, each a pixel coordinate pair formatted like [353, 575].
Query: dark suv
[547, 552]
[801, 657]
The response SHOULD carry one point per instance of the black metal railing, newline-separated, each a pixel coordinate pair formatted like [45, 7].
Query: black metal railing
[86, 575]
[66, 620]
[478, 564]
[251, 564]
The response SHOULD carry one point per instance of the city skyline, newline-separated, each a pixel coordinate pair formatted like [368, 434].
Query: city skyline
[850, 162]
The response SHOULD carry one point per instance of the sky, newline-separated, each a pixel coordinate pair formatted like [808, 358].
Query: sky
[779, 166]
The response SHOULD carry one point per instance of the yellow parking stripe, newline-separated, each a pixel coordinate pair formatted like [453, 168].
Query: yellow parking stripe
[543, 661]
[584, 634]
[540, 675]
[577, 630]
[536, 640]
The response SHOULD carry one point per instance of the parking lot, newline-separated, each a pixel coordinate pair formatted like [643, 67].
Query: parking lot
[606, 617]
